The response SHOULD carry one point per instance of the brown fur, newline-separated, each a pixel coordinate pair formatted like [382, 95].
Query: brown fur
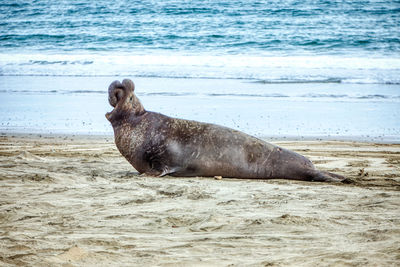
[159, 145]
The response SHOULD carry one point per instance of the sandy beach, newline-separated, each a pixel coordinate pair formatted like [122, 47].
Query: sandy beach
[321, 78]
[74, 201]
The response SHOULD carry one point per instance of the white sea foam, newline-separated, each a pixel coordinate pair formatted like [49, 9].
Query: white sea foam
[266, 68]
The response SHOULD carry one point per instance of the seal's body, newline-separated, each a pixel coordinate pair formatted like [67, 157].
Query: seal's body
[159, 145]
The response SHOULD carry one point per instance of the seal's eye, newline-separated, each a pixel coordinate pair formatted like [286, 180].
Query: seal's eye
[130, 99]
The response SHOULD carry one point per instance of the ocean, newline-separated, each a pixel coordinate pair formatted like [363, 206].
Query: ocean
[294, 69]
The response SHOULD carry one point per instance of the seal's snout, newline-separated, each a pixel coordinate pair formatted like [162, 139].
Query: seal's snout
[115, 93]
[118, 91]
[121, 96]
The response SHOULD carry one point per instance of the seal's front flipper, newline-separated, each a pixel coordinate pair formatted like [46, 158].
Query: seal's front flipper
[167, 170]
[160, 173]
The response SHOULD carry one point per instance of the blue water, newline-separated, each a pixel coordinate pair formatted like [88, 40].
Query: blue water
[311, 57]
[272, 41]
[227, 27]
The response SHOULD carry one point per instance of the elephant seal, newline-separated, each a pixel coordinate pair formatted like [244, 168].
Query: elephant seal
[158, 145]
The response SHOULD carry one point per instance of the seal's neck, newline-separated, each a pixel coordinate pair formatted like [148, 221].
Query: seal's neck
[119, 117]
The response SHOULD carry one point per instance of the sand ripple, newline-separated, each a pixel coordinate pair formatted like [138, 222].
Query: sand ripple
[76, 202]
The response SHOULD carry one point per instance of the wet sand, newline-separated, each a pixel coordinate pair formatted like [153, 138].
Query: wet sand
[371, 112]
[74, 201]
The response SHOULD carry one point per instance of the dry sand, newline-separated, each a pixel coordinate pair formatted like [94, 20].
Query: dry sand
[74, 201]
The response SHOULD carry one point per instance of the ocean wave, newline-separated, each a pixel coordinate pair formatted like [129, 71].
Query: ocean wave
[325, 96]
[265, 69]
[274, 95]
[62, 62]
[285, 81]
[225, 26]
[166, 94]
[314, 96]
[61, 92]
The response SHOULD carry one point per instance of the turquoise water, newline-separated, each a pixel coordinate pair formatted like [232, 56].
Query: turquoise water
[219, 27]
[270, 41]
[295, 68]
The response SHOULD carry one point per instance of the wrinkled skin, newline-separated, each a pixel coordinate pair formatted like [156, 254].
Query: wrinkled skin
[159, 145]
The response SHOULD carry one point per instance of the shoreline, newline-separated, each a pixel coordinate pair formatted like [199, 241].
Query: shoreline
[58, 105]
[269, 138]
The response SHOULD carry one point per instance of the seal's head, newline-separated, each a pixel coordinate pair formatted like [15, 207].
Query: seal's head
[122, 97]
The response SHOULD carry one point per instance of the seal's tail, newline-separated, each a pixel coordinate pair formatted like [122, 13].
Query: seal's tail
[323, 176]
